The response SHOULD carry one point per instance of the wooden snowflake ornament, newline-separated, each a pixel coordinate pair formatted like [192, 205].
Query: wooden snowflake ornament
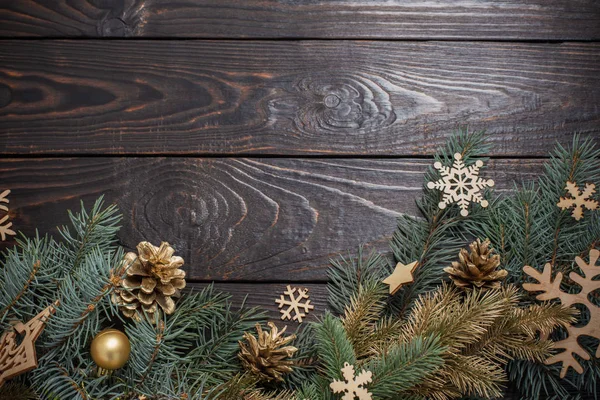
[402, 274]
[551, 290]
[461, 184]
[579, 199]
[18, 356]
[352, 386]
[294, 304]
[4, 224]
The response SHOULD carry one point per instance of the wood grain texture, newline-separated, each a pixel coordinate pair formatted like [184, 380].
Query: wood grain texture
[351, 98]
[236, 219]
[397, 19]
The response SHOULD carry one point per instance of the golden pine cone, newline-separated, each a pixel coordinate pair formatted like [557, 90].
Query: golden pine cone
[477, 268]
[153, 277]
[268, 356]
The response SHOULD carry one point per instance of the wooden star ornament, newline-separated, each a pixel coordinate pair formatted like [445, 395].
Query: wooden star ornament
[402, 274]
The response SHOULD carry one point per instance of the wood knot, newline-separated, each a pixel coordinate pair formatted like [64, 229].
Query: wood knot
[331, 101]
[5, 95]
[113, 27]
[343, 103]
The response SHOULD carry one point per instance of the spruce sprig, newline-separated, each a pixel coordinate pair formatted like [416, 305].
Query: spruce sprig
[434, 239]
[27, 279]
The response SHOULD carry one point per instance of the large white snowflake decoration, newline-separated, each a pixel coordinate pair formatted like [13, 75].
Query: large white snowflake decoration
[352, 387]
[461, 184]
[294, 304]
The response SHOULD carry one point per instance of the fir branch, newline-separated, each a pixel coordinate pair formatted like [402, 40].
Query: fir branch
[460, 321]
[474, 375]
[84, 300]
[27, 279]
[53, 381]
[305, 360]
[34, 270]
[159, 330]
[244, 387]
[579, 163]
[404, 366]
[347, 275]
[170, 382]
[94, 230]
[362, 314]
[201, 336]
[481, 330]
[536, 380]
[334, 346]
[17, 391]
[542, 318]
[434, 240]
[385, 329]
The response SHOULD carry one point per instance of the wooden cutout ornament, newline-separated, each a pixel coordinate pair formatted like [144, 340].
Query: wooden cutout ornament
[352, 386]
[402, 274]
[295, 303]
[579, 199]
[16, 359]
[460, 184]
[4, 224]
[551, 290]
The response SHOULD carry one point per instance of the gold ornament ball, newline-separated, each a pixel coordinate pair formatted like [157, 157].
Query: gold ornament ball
[110, 349]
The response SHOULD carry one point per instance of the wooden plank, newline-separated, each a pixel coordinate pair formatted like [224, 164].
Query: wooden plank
[224, 97]
[397, 19]
[236, 219]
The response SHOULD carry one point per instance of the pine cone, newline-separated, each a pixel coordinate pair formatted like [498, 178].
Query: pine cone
[477, 268]
[152, 278]
[267, 357]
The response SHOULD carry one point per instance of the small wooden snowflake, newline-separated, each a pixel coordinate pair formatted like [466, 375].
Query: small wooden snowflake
[4, 223]
[579, 199]
[295, 303]
[352, 386]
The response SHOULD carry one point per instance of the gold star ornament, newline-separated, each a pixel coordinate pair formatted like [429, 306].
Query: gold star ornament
[402, 274]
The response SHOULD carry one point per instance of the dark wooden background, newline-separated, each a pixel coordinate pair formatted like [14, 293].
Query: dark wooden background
[264, 137]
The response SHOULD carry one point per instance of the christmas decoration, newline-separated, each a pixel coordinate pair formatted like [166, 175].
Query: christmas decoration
[352, 386]
[402, 274]
[551, 290]
[295, 303]
[431, 340]
[479, 268]
[4, 224]
[267, 357]
[83, 266]
[17, 346]
[460, 184]
[153, 277]
[110, 350]
[579, 199]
